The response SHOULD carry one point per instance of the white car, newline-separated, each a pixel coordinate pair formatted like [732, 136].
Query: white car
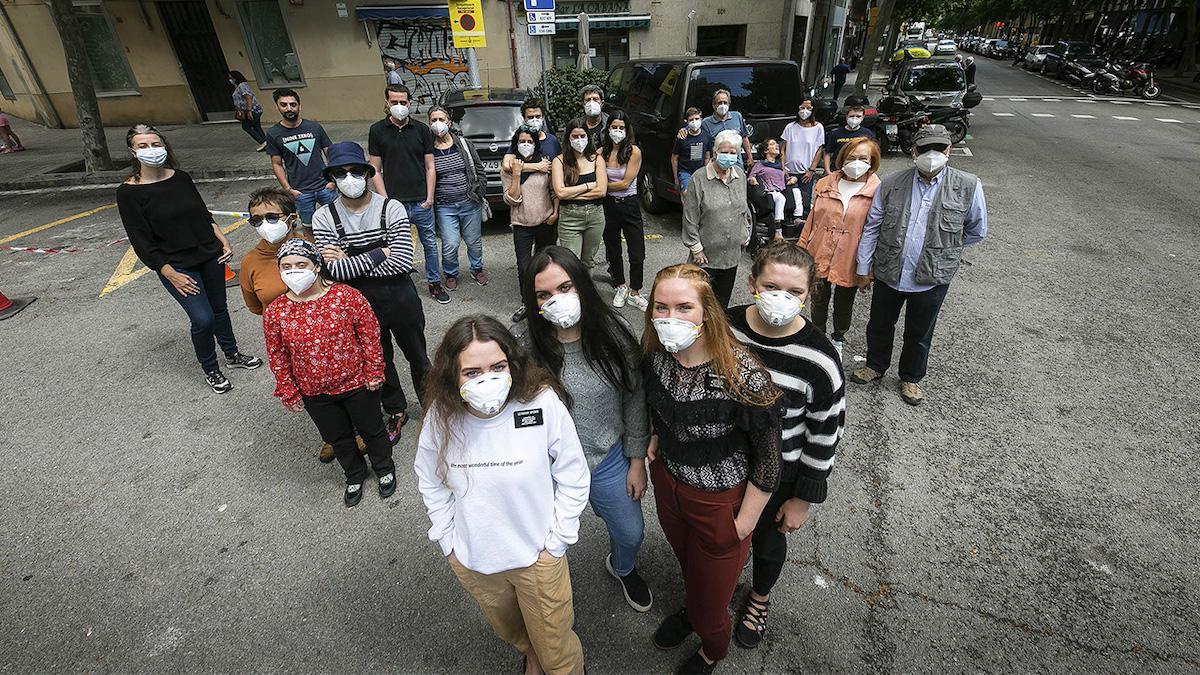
[946, 47]
[1035, 56]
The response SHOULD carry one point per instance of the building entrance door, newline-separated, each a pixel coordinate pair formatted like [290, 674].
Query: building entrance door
[200, 57]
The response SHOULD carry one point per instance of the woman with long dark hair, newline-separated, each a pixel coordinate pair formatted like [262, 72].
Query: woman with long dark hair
[533, 208]
[172, 232]
[622, 212]
[247, 110]
[504, 480]
[575, 335]
[580, 183]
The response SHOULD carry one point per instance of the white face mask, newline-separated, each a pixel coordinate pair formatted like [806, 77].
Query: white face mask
[440, 128]
[534, 124]
[299, 280]
[563, 310]
[487, 393]
[273, 231]
[592, 108]
[694, 125]
[856, 168]
[152, 156]
[617, 135]
[676, 335]
[804, 113]
[778, 308]
[580, 144]
[722, 109]
[526, 149]
[854, 122]
[399, 111]
[931, 162]
[352, 186]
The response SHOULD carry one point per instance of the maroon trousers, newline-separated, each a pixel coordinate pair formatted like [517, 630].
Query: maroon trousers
[700, 528]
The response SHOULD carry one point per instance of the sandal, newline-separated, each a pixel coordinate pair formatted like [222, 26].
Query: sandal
[755, 613]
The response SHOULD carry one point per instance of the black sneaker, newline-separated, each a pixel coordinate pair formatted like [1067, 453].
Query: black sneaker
[637, 593]
[518, 315]
[216, 380]
[394, 424]
[438, 293]
[387, 485]
[353, 495]
[240, 360]
[696, 665]
[673, 630]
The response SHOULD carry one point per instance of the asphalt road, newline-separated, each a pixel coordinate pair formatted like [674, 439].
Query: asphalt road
[1036, 514]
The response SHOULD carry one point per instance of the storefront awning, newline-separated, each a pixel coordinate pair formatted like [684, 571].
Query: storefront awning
[622, 20]
[402, 12]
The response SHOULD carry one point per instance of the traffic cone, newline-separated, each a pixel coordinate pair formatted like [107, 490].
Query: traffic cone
[231, 277]
[10, 306]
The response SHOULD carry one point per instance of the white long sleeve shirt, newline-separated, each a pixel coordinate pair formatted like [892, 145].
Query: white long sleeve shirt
[514, 484]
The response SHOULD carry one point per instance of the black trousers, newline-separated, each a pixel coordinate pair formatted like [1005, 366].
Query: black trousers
[769, 544]
[919, 320]
[722, 282]
[338, 417]
[398, 308]
[623, 215]
[843, 307]
[529, 240]
[766, 205]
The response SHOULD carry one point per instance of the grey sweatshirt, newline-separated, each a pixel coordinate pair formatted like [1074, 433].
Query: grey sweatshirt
[603, 413]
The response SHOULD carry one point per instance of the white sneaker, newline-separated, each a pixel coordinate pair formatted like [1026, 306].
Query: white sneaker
[639, 301]
[837, 344]
[620, 296]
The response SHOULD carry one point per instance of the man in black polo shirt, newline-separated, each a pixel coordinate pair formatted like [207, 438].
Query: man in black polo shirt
[401, 150]
[837, 137]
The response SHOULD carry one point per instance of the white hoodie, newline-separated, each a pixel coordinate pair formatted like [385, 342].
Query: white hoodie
[515, 484]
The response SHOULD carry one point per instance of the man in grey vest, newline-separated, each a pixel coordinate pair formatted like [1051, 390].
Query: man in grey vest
[912, 244]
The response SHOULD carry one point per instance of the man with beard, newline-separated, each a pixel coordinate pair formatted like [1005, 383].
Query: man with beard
[298, 148]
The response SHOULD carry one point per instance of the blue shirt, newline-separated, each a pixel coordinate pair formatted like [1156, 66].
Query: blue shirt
[923, 194]
[713, 126]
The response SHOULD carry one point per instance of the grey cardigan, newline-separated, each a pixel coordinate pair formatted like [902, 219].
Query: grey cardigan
[716, 217]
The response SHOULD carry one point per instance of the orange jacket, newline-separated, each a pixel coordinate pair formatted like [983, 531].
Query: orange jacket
[832, 236]
[259, 275]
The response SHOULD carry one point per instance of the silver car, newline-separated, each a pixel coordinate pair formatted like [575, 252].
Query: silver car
[1035, 56]
[935, 82]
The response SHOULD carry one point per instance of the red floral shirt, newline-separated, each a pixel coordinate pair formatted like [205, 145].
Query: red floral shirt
[325, 346]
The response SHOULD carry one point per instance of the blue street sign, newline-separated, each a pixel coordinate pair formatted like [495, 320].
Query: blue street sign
[539, 5]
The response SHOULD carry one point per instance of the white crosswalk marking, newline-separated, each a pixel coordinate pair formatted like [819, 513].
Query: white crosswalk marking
[1128, 119]
[1003, 114]
[1084, 117]
[1120, 102]
[1052, 100]
[1017, 99]
[1041, 115]
[1157, 105]
[1168, 119]
[988, 98]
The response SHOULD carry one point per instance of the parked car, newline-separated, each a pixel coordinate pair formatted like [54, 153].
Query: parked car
[1065, 51]
[985, 47]
[656, 92]
[934, 82]
[946, 47]
[1035, 55]
[1001, 49]
[487, 118]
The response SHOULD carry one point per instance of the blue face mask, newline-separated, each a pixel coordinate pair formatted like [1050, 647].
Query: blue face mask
[726, 160]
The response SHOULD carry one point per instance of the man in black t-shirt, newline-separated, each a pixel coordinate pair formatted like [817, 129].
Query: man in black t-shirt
[837, 137]
[692, 151]
[297, 149]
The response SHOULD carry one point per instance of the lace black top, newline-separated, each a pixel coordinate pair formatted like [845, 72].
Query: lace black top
[708, 439]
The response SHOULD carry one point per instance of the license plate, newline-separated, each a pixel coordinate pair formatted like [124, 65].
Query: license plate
[891, 129]
[491, 165]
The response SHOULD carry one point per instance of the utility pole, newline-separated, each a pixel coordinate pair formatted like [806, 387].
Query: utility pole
[95, 148]
[874, 39]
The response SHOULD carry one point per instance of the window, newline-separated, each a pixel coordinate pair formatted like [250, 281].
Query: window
[270, 46]
[935, 79]
[649, 88]
[5, 89]
[721, 40]
[487, 122]
[104, 54]
[760, 89]
[610, 46]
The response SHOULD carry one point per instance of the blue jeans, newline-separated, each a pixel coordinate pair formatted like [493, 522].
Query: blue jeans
[620, 512]
[460, 221]
[422, 218]
[307, 202]
[253, 126]
[208, 312]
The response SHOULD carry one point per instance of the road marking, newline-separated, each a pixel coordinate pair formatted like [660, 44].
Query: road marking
[1127, 119]
[1017, 99]
[1168, 119]
[1157, 105]
[966, 152]
[1120, 102]
[1003, 114]
[1052, 100]
[988, 98]
[1084, 100]
[1084, 117]
[1041, 115]
[125, 272]
[39, 228]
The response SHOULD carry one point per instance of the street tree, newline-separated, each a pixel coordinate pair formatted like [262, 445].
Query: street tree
[95, 148]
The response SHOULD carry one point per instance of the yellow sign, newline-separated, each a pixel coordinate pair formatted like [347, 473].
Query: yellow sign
[466, 22]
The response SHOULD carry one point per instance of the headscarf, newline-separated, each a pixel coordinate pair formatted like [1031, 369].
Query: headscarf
[300, 247]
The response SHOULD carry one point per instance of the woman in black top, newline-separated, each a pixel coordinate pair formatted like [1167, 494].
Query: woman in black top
[173, 233]
[715, 449]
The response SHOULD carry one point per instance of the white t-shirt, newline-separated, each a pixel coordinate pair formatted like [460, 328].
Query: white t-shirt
[802, 144]
[847, 189]
[515, 484]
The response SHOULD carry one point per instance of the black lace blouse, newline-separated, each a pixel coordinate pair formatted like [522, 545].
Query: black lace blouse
[708, 439]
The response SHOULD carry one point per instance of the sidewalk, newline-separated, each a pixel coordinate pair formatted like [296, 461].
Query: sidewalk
[203, 150]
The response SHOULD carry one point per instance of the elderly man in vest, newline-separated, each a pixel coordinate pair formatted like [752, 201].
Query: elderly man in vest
[919, 222]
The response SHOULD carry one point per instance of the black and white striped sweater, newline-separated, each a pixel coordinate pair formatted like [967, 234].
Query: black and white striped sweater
[364, 230]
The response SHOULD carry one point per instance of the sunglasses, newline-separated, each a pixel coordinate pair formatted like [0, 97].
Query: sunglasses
[342, 173]
[255, 221]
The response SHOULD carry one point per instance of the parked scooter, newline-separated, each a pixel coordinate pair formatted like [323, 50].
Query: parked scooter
[902, 116]
[1136, 79]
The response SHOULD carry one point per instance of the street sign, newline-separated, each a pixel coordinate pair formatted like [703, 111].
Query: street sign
[540, 17]
[466, 24]
[541, 29]
[539, 5]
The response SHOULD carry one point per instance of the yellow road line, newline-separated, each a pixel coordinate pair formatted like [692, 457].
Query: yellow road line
[125, 272]
[39, 228]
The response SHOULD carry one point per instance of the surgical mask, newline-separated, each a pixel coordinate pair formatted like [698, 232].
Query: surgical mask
[351, 185]
[804, 113]
[931, 162]
[290, 115]
[676, 335]
[487, 393]
[563, 310]
[399, 111]
[273, 231]
[854, 122]
[617, 135]
[152, 156]
[526, 149]
[778, 308]
[722, 109]
[580, 144]
[694, 125]
[726, 159]
[439, 128]
[299, 280]
[534, 124]
[592, 108]
[856, 168]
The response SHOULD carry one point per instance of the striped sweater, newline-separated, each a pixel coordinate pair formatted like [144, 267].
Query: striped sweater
[363, 230]
[807, 368]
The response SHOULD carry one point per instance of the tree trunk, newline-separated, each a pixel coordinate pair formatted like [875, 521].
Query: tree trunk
[95, 148]
[1188, 62]
[874, 39]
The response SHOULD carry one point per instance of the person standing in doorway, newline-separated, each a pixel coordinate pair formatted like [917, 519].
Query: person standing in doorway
[919, 222]
[172, 232]
[692, 151]
[836, 138]
[366, 241]
[393, 72]
[595, 120]
[247, 110]
[716, 216]
[460, 197]
[580, 183]
[839, 73]
[533, 207]
[623, 212]
[725, 119]
[401, 152]
[298, 148]
[803, 140]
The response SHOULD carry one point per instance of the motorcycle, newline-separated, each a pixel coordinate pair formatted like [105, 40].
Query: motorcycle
[1136, 79]
[903, 116]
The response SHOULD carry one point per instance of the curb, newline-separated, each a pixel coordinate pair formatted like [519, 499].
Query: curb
[114, 178]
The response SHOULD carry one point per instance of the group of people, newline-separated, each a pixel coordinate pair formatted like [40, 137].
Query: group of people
[732, 414]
